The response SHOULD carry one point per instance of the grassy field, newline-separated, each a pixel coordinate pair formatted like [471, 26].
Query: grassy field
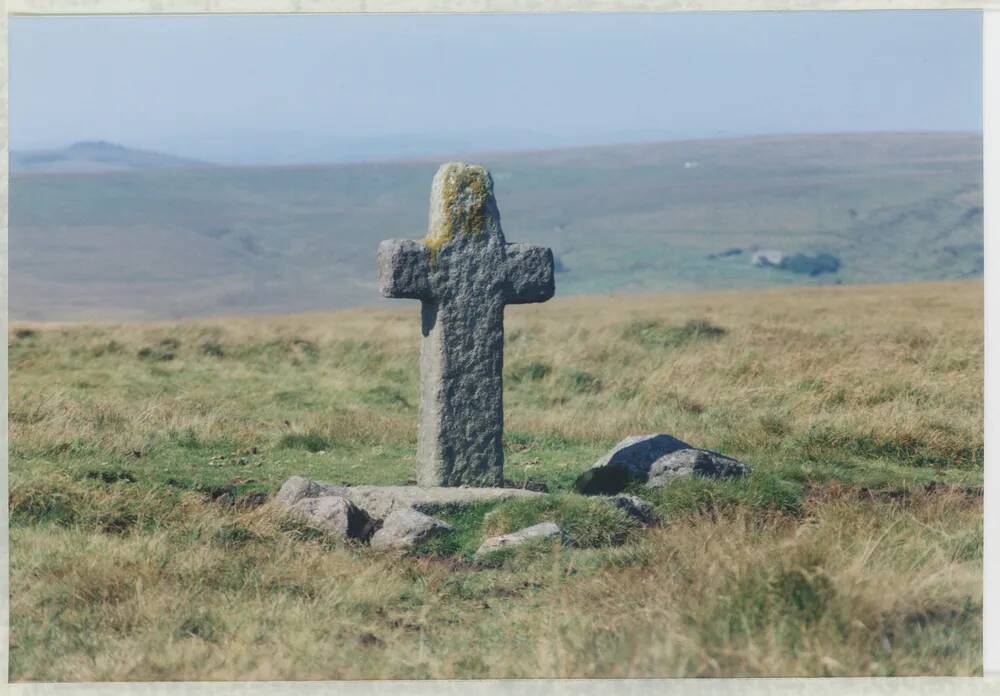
[855, 548]
[893, 207]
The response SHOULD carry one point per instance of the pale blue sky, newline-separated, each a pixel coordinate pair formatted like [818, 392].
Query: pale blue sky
[265, 89]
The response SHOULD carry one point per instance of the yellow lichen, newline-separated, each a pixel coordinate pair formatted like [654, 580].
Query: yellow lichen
[461, 208]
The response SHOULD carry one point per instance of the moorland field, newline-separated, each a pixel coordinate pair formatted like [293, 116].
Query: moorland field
[139, 453]
[165, 243]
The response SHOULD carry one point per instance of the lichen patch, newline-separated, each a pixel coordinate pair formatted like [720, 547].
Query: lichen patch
[462, 194]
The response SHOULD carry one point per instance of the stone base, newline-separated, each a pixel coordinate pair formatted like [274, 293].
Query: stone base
[379, 501]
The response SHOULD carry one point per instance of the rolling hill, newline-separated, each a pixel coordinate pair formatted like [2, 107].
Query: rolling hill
[95, 156]
[170, 243]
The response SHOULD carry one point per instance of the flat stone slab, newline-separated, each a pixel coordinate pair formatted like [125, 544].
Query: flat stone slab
[545, 530]
[654, 460]
[380, 501]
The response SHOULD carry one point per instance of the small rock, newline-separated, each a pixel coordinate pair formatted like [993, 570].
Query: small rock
[654, 460]
[636, 508]
[406, 528]
[335, 515]
[545, 530]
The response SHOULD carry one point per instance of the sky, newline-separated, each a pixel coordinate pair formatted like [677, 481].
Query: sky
[319, 88]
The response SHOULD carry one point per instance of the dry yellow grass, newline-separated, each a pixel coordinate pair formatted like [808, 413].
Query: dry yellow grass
[856, 549]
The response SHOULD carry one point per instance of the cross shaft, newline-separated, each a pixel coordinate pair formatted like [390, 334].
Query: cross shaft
[464, 273]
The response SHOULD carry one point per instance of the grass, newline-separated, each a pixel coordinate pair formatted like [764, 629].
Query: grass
[139, 552]
[584, 522]
[654, 333]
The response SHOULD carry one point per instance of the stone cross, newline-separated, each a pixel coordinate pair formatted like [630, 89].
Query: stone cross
[463, 273]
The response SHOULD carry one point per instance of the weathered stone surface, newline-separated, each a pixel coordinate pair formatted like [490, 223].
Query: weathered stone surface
[636, 508]
[464, 273]
[545, 530]
[406, 528]
[298, 487]
[335, 515]
[693, 462]
[654, 460]
[380, 501]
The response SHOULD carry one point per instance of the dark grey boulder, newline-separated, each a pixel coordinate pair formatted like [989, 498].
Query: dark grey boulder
[654, 460]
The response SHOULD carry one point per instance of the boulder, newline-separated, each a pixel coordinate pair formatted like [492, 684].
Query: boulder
[654, 460]
[693, 462]
[405, 528]
[335, 515]
[380, 501]
[298, 487]
[545, 530]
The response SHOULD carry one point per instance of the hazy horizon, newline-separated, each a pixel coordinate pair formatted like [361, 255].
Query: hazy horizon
[441, 155]
[270, 89]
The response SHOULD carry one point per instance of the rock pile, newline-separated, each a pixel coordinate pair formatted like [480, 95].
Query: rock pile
[401, 517]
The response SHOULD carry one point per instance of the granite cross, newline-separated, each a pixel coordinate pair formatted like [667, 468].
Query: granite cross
[463, 273]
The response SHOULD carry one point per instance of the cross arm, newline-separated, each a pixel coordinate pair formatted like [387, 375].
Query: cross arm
[404, 269]
[530, 274]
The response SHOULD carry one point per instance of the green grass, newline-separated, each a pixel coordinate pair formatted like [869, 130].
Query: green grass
[655, 334]
[138, 551]
[584, 522]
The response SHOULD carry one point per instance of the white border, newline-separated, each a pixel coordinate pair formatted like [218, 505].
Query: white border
[991, 159]
[991, 228]
[43, 7]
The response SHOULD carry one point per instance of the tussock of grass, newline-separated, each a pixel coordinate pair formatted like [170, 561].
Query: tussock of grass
[465, 536]
[310, 442]
[585, 522]
[57, 499]
[762, 491]
[212, 349]
[383, 395]
[530, 371]
[656, 334]
[579, 382]
[164, 351]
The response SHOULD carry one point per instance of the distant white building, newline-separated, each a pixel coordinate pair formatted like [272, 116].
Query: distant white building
[767, 257]
[690, 165]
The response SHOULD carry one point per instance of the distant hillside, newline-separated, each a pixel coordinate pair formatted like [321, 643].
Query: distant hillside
[697, 215]
[95, 156]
